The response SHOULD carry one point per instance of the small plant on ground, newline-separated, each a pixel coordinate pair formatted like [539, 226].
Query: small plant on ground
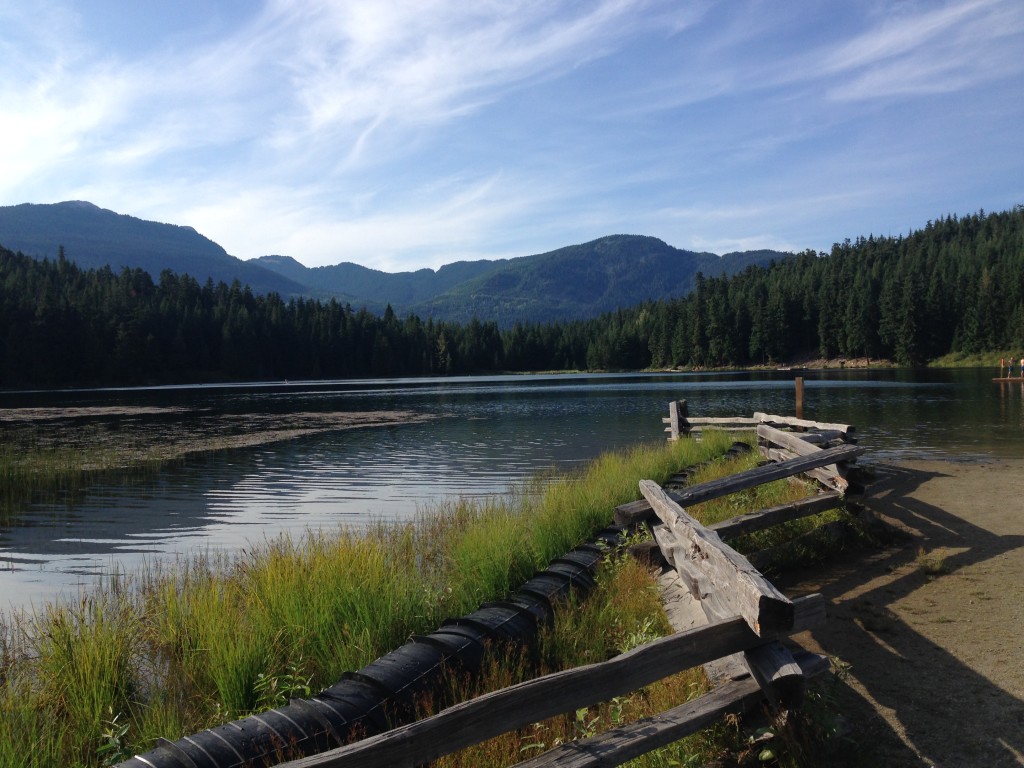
[931, 563]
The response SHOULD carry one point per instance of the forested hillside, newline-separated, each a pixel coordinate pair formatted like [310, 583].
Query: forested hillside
[575, 282]
[64, 326]
[956, 285]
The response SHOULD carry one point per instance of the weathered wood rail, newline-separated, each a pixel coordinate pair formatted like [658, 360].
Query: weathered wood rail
[779, 438]
[680, 424]
[744, 619]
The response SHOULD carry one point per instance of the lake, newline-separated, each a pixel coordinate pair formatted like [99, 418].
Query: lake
[487, 433]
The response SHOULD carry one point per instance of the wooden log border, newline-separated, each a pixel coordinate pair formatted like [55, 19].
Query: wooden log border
[717, 573]
[679, 423]
[493, 714]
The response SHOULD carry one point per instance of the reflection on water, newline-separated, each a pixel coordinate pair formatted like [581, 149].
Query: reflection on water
[490, 432]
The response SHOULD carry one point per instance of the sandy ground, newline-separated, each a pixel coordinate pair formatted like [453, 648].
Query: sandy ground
[934, 660]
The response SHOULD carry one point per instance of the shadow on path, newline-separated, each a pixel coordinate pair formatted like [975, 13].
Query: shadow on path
[910, 699]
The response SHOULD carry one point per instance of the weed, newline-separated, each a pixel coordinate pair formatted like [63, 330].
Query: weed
[113, 748]
[274, 691]
[931, 564]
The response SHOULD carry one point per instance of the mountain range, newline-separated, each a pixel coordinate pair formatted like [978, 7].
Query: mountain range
[574, 282]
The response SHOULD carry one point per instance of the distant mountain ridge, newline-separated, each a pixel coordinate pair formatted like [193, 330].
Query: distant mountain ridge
[574, 282]
[95, 237]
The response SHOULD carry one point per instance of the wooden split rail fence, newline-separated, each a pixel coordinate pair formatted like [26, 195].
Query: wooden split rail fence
[779, 437]
[744, 618]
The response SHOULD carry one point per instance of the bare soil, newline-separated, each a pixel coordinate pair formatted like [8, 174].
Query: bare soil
[928, 633]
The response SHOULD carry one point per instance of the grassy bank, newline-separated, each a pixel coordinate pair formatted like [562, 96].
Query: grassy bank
[977, 360]
[174, 650]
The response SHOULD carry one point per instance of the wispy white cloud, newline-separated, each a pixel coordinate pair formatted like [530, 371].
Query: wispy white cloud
[408, 132]
[949, 48]
[455, 218]
[399, 68]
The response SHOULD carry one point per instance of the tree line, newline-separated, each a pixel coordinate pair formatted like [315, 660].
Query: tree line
[957, 285]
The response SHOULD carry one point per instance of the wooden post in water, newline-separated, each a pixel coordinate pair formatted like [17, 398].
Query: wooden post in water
[677, 424]
[799, 397]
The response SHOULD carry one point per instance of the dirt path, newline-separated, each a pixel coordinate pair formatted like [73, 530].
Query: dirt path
[935, 660]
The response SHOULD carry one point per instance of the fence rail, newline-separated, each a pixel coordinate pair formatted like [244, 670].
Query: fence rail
[744, 617]
[492, 714]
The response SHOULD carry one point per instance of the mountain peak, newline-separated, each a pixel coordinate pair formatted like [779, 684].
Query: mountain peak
[83, 204]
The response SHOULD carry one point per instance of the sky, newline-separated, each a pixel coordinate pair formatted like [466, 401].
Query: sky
[402, 134]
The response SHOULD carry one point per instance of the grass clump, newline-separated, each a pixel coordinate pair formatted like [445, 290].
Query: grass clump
[177, 649]
[797, 542]
[931, 563]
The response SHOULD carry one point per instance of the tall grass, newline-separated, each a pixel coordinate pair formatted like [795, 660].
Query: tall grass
[778, 538]
[623, 612]
[177, 649]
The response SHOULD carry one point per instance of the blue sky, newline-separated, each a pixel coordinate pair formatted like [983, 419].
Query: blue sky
[401, 134]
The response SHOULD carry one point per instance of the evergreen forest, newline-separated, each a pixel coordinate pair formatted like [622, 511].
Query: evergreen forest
[957, 285]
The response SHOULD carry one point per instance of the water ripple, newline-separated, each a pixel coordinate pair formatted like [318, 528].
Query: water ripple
[491, 433]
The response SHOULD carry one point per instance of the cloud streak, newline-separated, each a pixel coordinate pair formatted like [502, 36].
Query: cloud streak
[405, 133]
[947, 49]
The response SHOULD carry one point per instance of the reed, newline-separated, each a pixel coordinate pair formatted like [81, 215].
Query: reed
[179, 648]
[22, 741]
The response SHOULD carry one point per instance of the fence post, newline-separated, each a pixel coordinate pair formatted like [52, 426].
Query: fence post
[799, 397]
[677, 423]
[673, 420]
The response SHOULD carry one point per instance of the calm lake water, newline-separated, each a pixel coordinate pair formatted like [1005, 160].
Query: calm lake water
[490, 432]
